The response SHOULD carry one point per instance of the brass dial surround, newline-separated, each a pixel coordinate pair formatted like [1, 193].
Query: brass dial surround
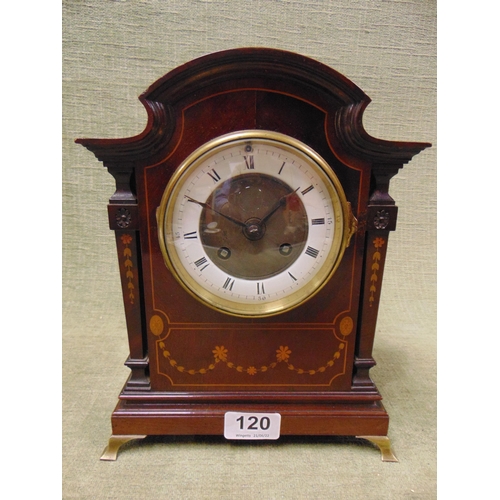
[254, 223]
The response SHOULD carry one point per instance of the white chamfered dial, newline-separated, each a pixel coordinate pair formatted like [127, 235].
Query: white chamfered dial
[253, 223]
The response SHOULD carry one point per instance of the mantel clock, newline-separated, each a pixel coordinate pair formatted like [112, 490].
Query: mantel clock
[251, 218]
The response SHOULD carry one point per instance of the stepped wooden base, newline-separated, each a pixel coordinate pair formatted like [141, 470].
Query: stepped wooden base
[134, 420]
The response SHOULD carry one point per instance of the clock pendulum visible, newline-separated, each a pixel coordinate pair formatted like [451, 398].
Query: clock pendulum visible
[251, 220]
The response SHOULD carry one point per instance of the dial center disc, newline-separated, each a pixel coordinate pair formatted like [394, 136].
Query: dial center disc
[250, 249]
[254, 229]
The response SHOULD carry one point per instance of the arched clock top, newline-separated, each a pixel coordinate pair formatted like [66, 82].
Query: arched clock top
[259, 70]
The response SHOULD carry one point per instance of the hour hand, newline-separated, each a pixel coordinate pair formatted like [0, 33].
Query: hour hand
[281, 202]
[208, 207]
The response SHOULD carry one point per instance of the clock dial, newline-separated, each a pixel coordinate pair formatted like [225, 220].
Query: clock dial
[253, 223]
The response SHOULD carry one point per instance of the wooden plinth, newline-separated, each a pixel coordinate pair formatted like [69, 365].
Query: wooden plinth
[347, 419]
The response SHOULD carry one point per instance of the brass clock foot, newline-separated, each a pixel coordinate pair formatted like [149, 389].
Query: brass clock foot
[115, 442]
[384, 445]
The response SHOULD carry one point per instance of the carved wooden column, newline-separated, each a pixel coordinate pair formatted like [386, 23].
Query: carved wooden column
[381, 218]
[123, 217]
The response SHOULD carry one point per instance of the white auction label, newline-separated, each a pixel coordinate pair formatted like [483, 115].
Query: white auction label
[251, 425]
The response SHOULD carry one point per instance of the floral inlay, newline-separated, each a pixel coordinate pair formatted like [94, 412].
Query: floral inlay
[377, 243]
[283, 353]
[220, 354]
[127, 253]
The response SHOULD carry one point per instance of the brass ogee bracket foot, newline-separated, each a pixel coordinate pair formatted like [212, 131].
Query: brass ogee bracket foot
[384, 445]
[115, 442]
[110, 453]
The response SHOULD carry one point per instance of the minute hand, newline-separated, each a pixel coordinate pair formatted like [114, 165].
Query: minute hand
[207, 206]
[279, 204]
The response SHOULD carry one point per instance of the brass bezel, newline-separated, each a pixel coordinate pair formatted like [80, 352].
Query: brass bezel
[342, 213]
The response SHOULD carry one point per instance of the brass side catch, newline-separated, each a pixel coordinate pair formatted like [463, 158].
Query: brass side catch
[352, 224]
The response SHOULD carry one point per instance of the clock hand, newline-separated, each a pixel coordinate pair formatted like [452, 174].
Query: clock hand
[207, 206]
[280, 203]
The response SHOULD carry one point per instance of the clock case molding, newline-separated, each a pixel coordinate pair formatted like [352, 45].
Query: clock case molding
[182, 379]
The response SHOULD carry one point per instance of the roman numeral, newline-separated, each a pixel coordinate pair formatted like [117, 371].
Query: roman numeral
[200, 262]
[214, 175]
[190, 236]
[306, 190]
[292, 276]
[249, 162]
[318, 222]
[228, 284]
[312, 252]
[260, 289]
[279, 173]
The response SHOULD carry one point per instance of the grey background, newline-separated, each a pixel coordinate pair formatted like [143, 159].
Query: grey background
[112, 51]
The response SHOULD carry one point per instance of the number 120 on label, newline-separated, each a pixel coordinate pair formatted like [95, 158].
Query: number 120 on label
[251, 425]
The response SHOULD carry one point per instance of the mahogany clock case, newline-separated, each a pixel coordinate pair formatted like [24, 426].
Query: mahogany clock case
[190, 363]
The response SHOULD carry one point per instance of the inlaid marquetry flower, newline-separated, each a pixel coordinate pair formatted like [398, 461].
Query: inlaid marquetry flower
[283, 353]
[378, 242]
[251, 370]
[220, 353]
[126, 239]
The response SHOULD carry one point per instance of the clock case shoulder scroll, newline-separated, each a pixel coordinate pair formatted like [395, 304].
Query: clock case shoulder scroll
[245, 89]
